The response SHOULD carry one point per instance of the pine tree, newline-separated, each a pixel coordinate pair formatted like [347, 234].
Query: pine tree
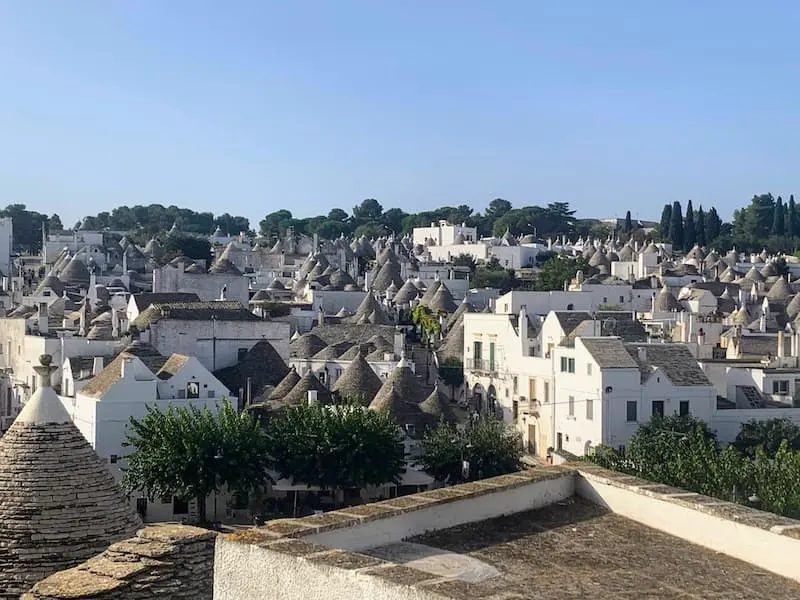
[666, 217]
[628, 222]
[689, 237]
[713, 225]
[676, 226]
[778, 224]
[700, 226]
[791, 218]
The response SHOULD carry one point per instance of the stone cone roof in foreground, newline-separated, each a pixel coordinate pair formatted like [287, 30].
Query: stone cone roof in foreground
[59, 504]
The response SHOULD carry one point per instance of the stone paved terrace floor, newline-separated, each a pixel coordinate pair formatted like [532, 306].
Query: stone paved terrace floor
[575, 549]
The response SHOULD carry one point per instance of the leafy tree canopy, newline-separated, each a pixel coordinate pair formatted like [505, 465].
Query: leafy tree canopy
[767, 435]
[191, 246]
[557, 271]
[490, 446]
[190, 453]
[346, 446]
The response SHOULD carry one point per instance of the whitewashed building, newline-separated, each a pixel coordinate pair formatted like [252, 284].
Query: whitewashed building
[137, 378]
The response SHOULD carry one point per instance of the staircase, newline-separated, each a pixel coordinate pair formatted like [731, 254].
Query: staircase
[748, 396]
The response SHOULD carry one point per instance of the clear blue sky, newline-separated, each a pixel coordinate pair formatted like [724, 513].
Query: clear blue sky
[253, 106]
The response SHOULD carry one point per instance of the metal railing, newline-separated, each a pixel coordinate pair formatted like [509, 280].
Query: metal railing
[482, 364]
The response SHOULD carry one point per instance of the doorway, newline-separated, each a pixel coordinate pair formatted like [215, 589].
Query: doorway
[559, 441]
[532, 439]
[141, 507]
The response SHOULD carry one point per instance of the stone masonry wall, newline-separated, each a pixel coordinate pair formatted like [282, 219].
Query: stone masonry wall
[164, 561]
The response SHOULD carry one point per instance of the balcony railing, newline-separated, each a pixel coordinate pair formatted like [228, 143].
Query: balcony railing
[482, 365]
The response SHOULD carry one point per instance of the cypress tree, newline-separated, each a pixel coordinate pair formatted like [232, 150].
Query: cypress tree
[713, 225]
[676, 226]
[791, 218]
[700, 226]
[689, 237]
[628, 222]
[666, 217]
[778, 224]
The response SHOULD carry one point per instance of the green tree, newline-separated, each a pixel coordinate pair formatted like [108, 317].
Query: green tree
[275, 224]
[232, 225]
[369, 210]
[768, 435]
[465, 260]
[700, 226]
[429, 323]
[190, 453]
[26, 227]
[504, 280]
[689, 235]
[666, 219]
[392, 219]
[191, 246]
[628, 227]
[489, 446]
[558, 271]
[676, 226]
[337, 214]
[713, 225]
[778, 215]
[497, 208]
[54, 223]
[791, 218]
[451, 371]
[336, 447]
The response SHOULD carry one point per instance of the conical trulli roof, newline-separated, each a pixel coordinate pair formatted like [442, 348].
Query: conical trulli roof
[793, 308]
[453, 344]
[286, 385]
[780, 290]
[442, 301]
[59, 504]
[299, 393]
[407, 292]
[404, 384]
[464, 307]
[665, 301]
[306, 345]
[436, 408]
[358, 380]
[430, 293]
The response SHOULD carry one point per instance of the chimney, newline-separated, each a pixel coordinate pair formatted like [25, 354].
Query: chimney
[97, 365]
[114, 323]
[641, 352]
[320, 317]
[701, 337]
[366, 281]
[780, 353]
[742, 297]
[399, 341]
[522, 325]
[126, 368]
[84, 314]
[44, 326]
[312, 396]
[124, 262]
[762, 323]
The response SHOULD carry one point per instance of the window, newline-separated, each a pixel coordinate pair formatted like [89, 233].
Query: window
[547, 391]
[113, 459]
[588, 368]
[241, 354]
[683, 409]
[589, 409]
[571, 365]
[477, 351]
[570, 307]
[515, 409]
[605, 300]
[179, 507]
[516, 384]
[212, 393]
[622, 299]
[571, 403]
[563, 364]
[780, 386]
[181, 394]
[658, 408]
[630, 411]
[491, 356]
[166, 500]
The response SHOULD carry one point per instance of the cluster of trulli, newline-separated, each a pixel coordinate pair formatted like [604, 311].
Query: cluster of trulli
[59, 504]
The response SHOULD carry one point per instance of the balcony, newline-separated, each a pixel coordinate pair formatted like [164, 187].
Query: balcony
[480, 365]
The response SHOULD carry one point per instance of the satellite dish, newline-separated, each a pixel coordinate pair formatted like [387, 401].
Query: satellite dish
[609, 326]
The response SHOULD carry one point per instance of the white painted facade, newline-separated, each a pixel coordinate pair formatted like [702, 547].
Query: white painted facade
[206, 285]
[594, 405]
[443, 234]
[104, 421]
[216, 343]
[6, 244]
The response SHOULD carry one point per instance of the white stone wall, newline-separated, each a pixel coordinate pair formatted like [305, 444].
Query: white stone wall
[206, 285]
[216, 344]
